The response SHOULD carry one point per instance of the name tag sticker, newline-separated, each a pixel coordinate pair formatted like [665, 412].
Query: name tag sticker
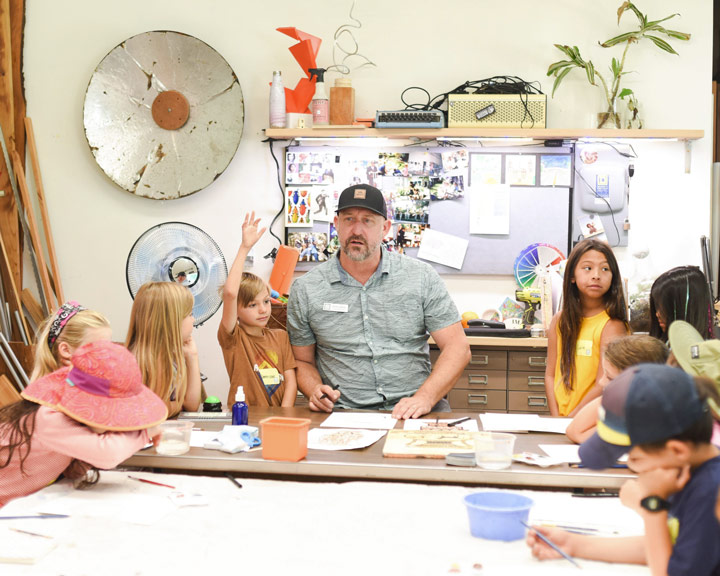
[584, 347]
[335, 307]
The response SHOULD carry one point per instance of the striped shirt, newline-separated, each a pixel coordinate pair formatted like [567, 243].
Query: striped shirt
[370, 340]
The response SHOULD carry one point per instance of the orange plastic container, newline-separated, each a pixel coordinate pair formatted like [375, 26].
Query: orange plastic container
[284, 438]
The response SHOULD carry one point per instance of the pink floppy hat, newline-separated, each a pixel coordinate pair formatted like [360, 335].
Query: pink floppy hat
[103, 388]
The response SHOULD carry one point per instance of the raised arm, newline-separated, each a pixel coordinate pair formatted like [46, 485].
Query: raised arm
[250, 236]
[454, 356]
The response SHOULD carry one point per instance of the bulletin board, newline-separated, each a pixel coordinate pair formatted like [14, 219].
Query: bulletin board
[436, 189]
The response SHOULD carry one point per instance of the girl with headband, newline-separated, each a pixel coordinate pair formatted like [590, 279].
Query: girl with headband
[92, 414]
[64, 332]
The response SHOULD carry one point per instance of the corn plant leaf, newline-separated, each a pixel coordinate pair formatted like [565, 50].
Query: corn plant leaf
[625, 92]
[626, 37]
[677, 34]
[555, 66]
[559, 79]
[590, 71]
[615, 67]
[654, 23]
[660, 43]
[630, 6]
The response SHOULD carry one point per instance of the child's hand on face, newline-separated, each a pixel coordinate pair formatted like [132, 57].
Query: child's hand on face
[664, 481]
[631, 493]
[250, 232]
[189, 347]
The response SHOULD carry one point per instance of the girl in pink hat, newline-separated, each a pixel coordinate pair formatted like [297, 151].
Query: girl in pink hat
[160, 336]
[61, 333]
[93, 414]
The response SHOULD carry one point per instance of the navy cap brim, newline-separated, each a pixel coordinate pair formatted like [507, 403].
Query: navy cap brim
[597, 454]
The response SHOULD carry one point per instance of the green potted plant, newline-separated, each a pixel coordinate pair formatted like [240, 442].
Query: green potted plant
[651, 30]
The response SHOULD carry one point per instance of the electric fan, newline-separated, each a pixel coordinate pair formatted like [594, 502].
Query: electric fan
[179, 252]
[534, 260]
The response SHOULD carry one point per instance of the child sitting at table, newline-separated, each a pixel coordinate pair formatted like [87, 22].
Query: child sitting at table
[619, 355]
[160, 336]
[664, 418]
[95, 413]
[61, 333]
[256, 357]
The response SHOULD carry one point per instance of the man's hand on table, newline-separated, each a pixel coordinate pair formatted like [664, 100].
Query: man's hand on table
[412, 407]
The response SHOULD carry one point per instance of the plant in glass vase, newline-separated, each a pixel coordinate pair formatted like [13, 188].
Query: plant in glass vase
[648, 30]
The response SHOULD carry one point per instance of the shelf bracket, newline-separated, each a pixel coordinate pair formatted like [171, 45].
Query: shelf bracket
[688, 155]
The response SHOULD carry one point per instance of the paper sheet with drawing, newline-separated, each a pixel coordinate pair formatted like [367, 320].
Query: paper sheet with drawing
[489, 209]
[342, 438]
[443, 248]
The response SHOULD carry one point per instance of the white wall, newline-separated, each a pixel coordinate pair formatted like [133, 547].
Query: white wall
[437, 46]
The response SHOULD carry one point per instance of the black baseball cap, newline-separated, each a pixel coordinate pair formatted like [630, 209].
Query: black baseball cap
[647, 403]
[363, 196]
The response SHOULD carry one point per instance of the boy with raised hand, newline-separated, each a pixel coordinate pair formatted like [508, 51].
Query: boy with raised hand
[663, 418]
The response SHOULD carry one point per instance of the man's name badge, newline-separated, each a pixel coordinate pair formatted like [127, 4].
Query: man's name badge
[335, 307]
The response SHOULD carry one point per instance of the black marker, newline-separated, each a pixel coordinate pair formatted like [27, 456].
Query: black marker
[333, 386]
[232, 479]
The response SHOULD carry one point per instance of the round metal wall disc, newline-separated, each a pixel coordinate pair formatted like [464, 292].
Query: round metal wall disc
[163, 115]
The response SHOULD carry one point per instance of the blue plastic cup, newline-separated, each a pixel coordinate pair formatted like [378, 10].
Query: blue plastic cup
[497, 515]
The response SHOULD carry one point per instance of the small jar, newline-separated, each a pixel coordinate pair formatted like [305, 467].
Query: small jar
[537, 331]
[342, 102]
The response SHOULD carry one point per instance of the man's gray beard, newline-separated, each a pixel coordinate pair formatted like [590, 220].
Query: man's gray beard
[359, 256]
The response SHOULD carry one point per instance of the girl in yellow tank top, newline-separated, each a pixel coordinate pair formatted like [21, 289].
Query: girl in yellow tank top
[593, 313]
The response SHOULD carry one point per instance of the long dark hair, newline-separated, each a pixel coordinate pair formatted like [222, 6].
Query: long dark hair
[18, 423]
[681, 293]
[572, 313]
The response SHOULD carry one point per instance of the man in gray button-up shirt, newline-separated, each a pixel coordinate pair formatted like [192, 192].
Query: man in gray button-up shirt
[359, 323]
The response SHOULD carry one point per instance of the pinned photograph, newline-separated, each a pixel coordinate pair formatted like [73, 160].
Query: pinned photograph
[411, 204]
[311, 245]
[424, 164]
[393, 164]
[455, 160]
[448, 188]
[591, 226]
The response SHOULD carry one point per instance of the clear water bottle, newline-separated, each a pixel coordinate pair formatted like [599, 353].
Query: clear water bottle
[277, 101]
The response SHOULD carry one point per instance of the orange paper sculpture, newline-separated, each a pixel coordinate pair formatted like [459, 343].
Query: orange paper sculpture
[305, 52]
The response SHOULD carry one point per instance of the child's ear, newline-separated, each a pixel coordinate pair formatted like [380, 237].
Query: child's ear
[679, 450]
[64, 353]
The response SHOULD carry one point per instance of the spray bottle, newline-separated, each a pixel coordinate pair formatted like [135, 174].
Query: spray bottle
[319, 105]
[239, 409]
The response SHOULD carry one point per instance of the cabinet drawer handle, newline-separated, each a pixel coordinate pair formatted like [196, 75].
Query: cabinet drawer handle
[536, 381]
[537, 401]
[479, 359]
[482, 399]
[537, 361]
[478, 379]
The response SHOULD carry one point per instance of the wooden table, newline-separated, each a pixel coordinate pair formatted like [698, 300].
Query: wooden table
[369, 463]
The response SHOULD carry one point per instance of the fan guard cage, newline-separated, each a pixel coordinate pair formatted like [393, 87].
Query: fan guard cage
[157, 248]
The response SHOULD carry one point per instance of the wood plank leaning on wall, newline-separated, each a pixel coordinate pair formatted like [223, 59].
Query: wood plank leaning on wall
[12, 114]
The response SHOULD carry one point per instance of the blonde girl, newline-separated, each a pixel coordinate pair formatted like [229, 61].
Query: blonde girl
[593, 314]
[619, 355]
[63, 332]
[160, 336]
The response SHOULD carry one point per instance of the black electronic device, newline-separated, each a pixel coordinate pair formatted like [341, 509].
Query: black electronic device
[484, 323]
[409, 119]
[497, 332]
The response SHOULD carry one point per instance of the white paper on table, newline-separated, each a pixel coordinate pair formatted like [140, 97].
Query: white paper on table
[443, 248]
[489, 209]
[198, 438]
[23, 548]
[508, 422]
[368, 420]
[562, 452]
[419, 424]
[553, 425]
[342, 438]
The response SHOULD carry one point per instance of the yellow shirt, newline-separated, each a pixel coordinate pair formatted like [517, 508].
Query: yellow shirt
[587, 361]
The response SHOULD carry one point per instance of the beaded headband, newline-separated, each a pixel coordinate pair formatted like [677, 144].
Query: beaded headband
[66, 311]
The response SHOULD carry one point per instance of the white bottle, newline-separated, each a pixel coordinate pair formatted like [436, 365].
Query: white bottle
[277, 101]
[319, 104]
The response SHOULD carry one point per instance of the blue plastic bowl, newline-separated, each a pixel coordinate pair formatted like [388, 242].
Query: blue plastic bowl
[497, 515]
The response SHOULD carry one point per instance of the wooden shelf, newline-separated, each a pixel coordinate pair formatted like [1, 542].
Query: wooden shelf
[539, 134]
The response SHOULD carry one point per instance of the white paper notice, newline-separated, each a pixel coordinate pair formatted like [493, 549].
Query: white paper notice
[489, 209]
[562, 452]
[370, 420]
[432, 424]
[442, 248]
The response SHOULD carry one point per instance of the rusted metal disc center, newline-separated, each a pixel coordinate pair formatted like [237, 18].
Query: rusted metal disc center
[170, 110]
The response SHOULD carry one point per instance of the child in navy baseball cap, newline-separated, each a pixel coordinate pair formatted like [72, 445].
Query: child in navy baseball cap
[663, 418]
